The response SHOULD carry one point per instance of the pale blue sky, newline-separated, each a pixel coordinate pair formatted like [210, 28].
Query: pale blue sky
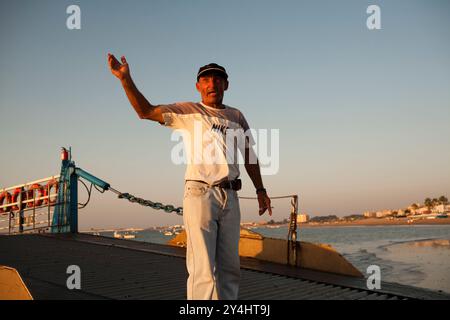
[363, 115]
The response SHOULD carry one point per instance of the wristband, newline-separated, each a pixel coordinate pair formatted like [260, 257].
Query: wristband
[261, 190]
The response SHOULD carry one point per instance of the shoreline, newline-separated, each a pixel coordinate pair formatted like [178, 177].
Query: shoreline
[371, 222]
[378, 222]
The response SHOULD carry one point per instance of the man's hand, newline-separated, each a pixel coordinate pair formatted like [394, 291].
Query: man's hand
[120, 70]
[264, 203]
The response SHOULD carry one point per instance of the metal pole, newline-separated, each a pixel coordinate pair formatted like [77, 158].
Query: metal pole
[20, 212]
[73, 206]
[48, 206]
[34, 209]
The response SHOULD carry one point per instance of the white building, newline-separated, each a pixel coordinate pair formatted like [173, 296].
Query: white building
[384, 213]
[369, 214]
[441, 209]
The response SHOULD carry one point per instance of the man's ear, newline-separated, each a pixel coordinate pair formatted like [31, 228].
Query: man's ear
[226, 85]
[197, 86]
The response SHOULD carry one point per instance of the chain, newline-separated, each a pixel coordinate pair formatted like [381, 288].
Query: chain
[147, 203]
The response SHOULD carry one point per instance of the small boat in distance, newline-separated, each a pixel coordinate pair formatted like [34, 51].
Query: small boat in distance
[124, 235]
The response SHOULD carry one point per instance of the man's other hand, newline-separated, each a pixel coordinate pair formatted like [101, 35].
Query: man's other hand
[120, 70]
[264, 203]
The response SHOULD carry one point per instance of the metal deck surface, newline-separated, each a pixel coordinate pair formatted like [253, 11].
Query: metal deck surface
[125, 269]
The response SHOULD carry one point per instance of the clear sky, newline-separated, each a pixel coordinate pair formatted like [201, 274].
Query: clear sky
[363, 115]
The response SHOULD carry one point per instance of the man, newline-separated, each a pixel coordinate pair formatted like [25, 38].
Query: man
[211, 210]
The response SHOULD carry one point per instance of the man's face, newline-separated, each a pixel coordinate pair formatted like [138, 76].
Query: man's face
[212, 87]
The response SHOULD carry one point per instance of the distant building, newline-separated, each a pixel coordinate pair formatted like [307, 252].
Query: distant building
[370, 214]
[441, 209]
[401, 213]
[302, 218]
[423, 210]
[383, 214]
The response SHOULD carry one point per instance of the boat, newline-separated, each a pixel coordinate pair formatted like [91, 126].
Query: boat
[128, 236]
[124, 235]
[117, 235]
[307, 270]
[165, 271]
[299, 254]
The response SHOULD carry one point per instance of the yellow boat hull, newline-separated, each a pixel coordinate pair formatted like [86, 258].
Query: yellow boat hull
[320, 257]
[12, 286]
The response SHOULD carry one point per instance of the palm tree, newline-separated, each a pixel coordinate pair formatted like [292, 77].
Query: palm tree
[443, 200]
[414, 206]
[428, 203]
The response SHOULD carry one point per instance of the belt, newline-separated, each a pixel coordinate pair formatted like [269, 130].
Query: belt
[227, 184]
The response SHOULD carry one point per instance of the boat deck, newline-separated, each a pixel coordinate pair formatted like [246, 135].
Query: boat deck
[125, 269]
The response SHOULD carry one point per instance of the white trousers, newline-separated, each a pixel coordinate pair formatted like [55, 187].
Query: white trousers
[212, 222]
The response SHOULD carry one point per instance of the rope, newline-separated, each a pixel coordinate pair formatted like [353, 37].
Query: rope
[279, 197]
[82, 205]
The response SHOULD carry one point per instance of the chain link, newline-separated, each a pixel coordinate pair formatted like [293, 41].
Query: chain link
[147, 203]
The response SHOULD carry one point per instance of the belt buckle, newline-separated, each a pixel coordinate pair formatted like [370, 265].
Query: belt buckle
[231, 184]
[226, 185]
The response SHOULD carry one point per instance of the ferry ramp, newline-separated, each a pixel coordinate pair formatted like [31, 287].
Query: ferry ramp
[124, 269]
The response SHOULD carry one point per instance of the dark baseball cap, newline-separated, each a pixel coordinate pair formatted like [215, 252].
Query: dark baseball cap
[212, 68]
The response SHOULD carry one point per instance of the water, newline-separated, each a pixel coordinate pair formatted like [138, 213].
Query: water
[400, 251]
[151, 236]
[397, 250]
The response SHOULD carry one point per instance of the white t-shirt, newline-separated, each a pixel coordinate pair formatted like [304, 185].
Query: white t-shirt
[211, 139]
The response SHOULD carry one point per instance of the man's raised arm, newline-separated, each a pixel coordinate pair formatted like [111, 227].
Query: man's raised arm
[143, 108]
